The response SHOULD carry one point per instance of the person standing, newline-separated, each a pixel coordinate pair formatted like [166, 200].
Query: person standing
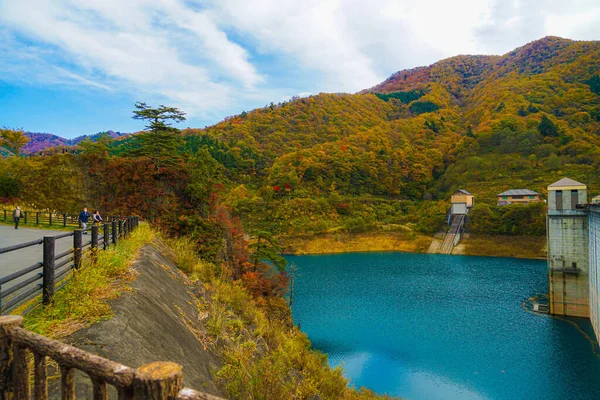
[97, 218]
[17, 214]
[84, 217]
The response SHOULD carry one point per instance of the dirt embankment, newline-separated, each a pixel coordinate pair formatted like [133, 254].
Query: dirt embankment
[474, 245]
[157, 320]
[357, 242]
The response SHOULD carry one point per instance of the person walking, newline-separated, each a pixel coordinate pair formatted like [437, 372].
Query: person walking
[97, 218]
[84, 217]
[17, 214]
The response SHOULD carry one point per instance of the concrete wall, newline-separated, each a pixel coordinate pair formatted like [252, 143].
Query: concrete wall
[568, 239]
[581, 194]
[459, 208]
[594, 268]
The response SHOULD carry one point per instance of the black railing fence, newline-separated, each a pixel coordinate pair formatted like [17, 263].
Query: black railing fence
[51, 218]
[43, 276]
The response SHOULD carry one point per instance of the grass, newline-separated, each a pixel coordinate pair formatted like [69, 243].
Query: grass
[408, 241]
[503, 246]
[84, 299]
[264, 356]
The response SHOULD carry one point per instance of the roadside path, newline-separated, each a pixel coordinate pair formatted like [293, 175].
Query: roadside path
[20, 259]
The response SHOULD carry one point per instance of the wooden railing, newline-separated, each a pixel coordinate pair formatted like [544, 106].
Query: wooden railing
[158, 380]
[50, 218]
[19, 286]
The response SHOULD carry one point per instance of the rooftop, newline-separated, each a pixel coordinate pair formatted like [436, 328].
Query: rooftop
[566, 182]
[464, 191]
[518, 192]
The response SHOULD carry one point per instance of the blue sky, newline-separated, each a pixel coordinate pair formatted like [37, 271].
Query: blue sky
[75, 67]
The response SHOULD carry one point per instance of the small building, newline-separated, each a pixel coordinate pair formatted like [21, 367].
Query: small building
[566, 194]
[596, 199]
[518, 196]
[461, 201]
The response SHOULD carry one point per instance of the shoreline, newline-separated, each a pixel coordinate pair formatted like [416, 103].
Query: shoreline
[525, 247]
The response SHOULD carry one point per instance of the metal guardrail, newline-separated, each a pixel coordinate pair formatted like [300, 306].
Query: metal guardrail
[43, 275]
[157, 380]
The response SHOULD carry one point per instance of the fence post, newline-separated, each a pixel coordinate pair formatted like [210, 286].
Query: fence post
[94, 242]
[114, 232]
[50, 218]
[6, 358]
[37, 217]
[48, 270]
[77, 247]
[158, 380]
[120, 228]
[25, 217]
[65, 220]
[5, 215]
[106, 237]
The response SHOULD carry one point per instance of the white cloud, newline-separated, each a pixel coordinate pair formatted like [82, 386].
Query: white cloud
[208, 56]
[512, 23]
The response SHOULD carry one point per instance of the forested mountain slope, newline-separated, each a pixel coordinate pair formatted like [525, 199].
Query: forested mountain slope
[358, 161]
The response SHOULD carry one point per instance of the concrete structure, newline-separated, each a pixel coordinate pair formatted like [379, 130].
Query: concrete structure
[518, 196]
[594, 266]
[459, 208]
[462, 196]
[568, 238]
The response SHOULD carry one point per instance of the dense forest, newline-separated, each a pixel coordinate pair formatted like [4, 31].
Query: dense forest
[385, 158]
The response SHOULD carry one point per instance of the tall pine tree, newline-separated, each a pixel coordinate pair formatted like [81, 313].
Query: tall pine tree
[160, 141]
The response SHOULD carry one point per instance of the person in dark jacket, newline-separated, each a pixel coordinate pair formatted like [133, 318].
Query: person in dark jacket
[84, 217]
[17, 214]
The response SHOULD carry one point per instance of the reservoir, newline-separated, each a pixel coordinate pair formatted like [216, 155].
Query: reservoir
[424, 326]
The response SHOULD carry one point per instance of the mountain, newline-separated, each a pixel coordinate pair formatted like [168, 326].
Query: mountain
[42, 141]
[483, 123]
[362, 161]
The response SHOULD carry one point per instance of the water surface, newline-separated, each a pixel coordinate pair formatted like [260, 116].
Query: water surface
[426, 326]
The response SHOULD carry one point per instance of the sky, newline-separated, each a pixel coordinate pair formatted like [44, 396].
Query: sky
[74, 67]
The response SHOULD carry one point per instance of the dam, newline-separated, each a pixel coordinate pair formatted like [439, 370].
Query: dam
[573, 234]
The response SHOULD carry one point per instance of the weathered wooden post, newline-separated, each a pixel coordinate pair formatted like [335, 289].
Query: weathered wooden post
[158, 381]
[77, 247]
[114, 232]
[120, 228]
[37, 217]
[7, 322]
[106, 235]
[94, 242]
[48, 270]
[64, 220]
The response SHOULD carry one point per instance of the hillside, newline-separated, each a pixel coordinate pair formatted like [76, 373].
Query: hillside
[366, 161]
[42, 141]
[485, 123]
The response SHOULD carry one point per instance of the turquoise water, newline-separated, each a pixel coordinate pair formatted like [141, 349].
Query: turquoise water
[426, 326]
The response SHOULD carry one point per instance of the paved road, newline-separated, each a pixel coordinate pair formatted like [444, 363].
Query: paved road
[23, 258]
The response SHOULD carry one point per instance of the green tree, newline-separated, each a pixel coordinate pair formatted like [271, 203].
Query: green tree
[203, 171]
[161, 141]
[99, 147]
[14, 140]
[547, 127]
[267, 249]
